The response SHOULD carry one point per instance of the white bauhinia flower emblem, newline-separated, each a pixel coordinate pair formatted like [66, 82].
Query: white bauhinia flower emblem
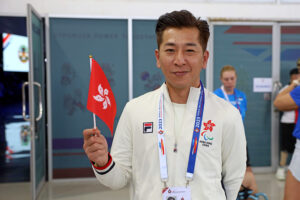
[102, 97]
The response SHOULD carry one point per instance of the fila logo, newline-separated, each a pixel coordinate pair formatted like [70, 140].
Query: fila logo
[148, 127]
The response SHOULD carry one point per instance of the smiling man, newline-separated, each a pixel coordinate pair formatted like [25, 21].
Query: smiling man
[179, 141]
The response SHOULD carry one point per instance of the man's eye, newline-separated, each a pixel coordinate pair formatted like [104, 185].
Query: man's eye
[190, 50]
[169, 50]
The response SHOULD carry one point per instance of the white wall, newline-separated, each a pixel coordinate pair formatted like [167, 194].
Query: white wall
[154, 8]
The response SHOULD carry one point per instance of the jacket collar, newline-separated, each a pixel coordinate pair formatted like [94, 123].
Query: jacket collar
[192, 98]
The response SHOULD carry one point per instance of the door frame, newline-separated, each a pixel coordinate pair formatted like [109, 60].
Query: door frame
[34, 190]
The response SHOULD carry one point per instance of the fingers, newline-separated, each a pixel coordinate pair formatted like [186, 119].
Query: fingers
[94, 141]
[96, 154]
[87, 133]
[95, 147]
[96, 151]
[101, 140]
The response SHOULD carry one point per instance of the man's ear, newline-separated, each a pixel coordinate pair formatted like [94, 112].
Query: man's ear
[157, 58]
[205, 59]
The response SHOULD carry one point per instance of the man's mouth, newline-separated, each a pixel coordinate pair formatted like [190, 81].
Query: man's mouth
[180, 73]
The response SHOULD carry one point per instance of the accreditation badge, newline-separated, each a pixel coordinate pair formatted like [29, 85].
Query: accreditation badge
[177, 193]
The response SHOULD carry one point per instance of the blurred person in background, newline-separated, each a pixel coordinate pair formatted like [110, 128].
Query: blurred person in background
[237, 98]
[287, 125]
[289, 99]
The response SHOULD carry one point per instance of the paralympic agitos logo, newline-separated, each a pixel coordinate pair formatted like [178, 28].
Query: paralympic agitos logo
[206, 134]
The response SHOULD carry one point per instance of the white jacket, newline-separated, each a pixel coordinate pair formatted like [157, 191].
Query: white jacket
[135, 157]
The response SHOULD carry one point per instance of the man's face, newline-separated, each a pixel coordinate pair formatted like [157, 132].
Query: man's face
[228, 79]
[181, 58]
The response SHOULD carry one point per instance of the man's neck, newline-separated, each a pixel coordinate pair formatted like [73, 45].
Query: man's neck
[178, 96]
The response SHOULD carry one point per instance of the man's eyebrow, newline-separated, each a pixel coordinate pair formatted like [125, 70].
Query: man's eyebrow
[173, 44]
[191, 44]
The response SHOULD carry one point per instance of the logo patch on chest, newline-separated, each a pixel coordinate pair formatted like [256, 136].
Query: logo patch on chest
[148, 127]
[207, 137]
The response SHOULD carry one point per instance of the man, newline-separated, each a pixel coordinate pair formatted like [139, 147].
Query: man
[289, 99]
[179, 140]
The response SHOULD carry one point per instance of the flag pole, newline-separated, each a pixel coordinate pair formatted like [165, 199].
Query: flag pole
[94, 116]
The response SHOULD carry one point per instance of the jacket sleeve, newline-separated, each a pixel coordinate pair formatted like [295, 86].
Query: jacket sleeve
[233, 154]
[117, 172]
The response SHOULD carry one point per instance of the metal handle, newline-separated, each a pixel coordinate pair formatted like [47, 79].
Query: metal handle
[276, 87]
[24, 102]
[40, 101]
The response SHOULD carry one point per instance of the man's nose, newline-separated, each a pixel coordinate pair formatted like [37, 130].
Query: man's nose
[179, 58]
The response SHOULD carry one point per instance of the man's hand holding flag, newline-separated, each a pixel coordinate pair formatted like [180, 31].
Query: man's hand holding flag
[101, 102]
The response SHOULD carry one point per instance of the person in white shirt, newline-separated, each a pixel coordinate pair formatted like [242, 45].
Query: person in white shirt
[180, 140]
[287, 125]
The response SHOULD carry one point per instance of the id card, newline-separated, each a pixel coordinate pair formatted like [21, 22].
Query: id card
[177, 193]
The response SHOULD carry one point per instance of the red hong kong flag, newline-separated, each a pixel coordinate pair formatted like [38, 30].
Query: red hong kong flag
[101, 100]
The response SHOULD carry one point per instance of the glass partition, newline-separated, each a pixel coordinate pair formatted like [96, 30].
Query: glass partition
[72, 40]
[249, 50]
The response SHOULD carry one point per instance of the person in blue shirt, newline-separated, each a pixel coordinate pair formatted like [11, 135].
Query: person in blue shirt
[228, 91]
[237, 98]
[287, 125]
[289, 99]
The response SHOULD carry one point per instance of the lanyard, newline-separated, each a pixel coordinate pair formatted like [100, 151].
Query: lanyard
[235, 97]
[194, 143]
[161, 141]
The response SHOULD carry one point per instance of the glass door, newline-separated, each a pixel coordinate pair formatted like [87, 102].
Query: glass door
[36, 86]
[289, 50]
[289, 62]
[14, 131]
[249, 47]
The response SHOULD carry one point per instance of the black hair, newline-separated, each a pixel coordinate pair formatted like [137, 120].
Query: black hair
[182, 19]
[294, 71]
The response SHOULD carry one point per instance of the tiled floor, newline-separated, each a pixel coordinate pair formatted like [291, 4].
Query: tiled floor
[91, 189]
